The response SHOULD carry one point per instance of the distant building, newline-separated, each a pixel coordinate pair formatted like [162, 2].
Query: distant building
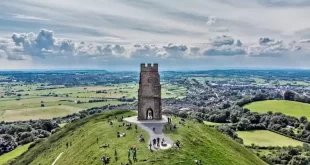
[149, 94]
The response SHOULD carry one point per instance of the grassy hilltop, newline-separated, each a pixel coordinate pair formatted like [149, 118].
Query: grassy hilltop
[197, 142]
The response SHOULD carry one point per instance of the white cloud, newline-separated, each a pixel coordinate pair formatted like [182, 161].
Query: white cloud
[305, 41]
[222, 40]
[211, 21]
[20, 16]
[9, 51]
[166, 51]
[194, 51]
[224, 46]
[45, 44]
[2, 54]
[46, 47]
[175, 50]
[144, 50]
[268, 47]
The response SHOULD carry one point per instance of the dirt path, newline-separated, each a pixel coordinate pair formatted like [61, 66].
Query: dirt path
[57, 158]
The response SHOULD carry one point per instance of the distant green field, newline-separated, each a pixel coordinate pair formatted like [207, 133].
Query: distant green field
[61, 101]
[284, 82]
[38, 113]
[291, 108]
[51, 110]
[197, 142]
[266, 138]
[211, 123]
[13, 154]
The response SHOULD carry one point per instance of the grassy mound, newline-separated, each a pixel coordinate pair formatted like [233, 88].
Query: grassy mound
[290, 108]
[197, 142]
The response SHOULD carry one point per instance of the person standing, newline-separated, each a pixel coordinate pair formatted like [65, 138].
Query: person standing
[134, 155]
[158, 139]
[150, 146]
[129, 153]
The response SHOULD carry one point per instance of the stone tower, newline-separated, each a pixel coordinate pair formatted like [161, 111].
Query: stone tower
[149, 94]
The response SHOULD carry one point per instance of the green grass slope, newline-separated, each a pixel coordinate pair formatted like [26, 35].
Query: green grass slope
[197, 142]
[5, 158]
[290, 108]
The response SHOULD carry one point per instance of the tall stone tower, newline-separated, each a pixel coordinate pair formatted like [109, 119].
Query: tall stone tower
[149, 94]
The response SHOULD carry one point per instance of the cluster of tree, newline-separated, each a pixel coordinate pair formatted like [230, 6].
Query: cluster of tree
[230, 131]
[95, 101]
[259, 97]
[7, 143]
[124, 99]
[20, 133]
[293, 96]
[289, 155]
[288, 95]
[102, 91]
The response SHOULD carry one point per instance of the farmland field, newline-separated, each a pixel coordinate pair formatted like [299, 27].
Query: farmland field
[266, 138]
[291, 108]
[38, 113]
[25, 102]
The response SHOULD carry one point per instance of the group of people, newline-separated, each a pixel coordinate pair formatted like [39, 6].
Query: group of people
[156, 142]
[133, 152]
[169, 120]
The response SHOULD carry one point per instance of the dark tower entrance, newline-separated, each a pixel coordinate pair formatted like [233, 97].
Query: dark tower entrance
[149, 114]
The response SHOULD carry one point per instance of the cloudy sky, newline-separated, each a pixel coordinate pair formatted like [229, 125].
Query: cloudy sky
[177, 34]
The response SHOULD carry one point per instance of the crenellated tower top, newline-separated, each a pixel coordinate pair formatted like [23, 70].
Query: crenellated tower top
[149, 67]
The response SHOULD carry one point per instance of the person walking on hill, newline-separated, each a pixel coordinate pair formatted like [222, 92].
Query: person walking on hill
[129, 153]
[134, 155]
[158, 139]
[150, 146]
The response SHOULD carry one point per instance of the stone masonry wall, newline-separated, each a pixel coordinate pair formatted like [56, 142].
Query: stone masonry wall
[149, 93]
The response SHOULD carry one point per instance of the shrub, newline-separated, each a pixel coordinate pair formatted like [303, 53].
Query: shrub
[25, 137]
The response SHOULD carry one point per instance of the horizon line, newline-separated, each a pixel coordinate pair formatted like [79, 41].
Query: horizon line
[165, 70]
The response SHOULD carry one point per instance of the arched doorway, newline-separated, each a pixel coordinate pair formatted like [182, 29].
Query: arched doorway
[149, 114]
